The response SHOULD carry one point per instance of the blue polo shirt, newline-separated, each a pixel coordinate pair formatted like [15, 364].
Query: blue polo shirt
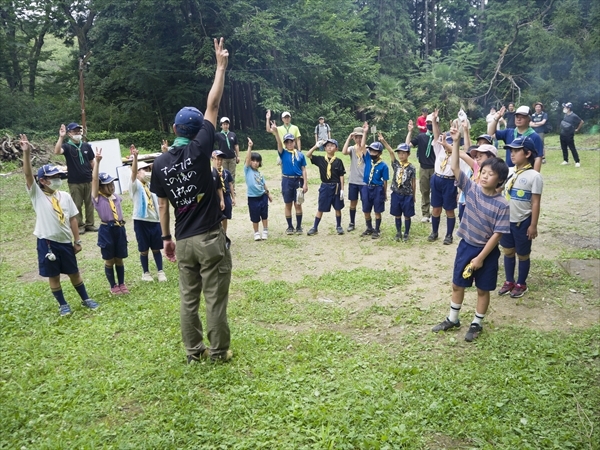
[510, 134]
[292, 168]
[380, 173]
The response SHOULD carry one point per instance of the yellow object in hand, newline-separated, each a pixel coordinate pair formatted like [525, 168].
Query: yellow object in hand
[468, 272]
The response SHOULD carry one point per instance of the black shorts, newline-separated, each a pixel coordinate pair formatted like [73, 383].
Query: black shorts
[65, 261]
[148, 235]
[112, 240]
[258, 207]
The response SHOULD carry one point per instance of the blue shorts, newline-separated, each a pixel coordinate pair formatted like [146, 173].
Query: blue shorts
[517, 238]
[443, 193]
[353, 191]
[148, 235]
[258, 208]
[402, 204]
[329, 195]
[372, 197]
[65, 258]
[486, 277]
[227, 212]
[289, 186]
[112, 241]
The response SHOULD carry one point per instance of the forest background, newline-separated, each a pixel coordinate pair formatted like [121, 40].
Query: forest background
[348, 60]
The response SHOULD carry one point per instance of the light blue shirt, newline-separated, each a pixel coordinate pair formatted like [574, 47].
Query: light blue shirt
[255, 182]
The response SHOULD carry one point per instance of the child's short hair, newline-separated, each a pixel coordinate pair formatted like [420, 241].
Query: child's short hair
[255, 156]
[499, 167]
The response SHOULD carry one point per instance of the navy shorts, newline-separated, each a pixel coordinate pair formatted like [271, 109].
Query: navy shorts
[443, 193]
[65, 258]
[258, 208]
[329, 195]
[289, 186]
[486, 277]
[402, 204]
[148, 235]
[372, 198]
[517, 238]
[227, 212]
[112, 241]
[353, 191]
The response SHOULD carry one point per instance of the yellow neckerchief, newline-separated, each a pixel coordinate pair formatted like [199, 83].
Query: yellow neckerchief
[329, 163]
[113, 208]
[220, 172]
[400, 173]
[148, 195]
[373, 164]
[511, 181]
[56, 207]
[294, 153]
[445, 161]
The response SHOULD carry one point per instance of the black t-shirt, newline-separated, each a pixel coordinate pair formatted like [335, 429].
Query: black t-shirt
[569, 124]
[184, 176]
[510, 119]
[535, 118]
[337, 168]
[227, 143]
[78, 162]
[421, 141]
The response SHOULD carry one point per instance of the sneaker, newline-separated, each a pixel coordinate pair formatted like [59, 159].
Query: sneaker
[265, 235]
[89, 303]
[115, 290]
[543, 160]
[162, 276]
[426, 220]
[196, 357]
[299, 230]
[398, 236]
[312, 231]
[81, 230]
[147, 277]
[474, 331]
[405, 238]
[506, 288]
[577, 165]
[351, 227]
[124, 289]
[257, 236]
[446, 325]
[564, 163]
[290, 230]
[91, 228]
[225, 357]
[376, 234]
[448, 240]
[518, 291]
[432, 237]
[367, 232]
[339, 230]
[64, 310]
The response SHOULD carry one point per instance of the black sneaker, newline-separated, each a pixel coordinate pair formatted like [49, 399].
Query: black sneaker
[367, 232]
[432, 237]
[197, 357]
[339, 230]
[446, 325]
[351, 227]
[312, 231]
[376, 234]
[448, 240]
[474, 331]
[299, 230]
[405, 237]
[398, 236]
[290, 230]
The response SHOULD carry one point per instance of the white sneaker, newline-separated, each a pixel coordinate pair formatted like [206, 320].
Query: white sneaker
[577, 165]
[564, 163]
[147, 277]
[162, 276]
[425, 220]
[265, 235]
[257, 236]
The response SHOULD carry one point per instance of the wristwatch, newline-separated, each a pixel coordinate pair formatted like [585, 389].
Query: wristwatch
[78, 242]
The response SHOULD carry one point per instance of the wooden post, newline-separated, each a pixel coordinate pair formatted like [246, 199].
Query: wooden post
[82, 62]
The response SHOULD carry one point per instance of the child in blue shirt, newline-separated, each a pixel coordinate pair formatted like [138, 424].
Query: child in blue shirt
[374, 191]
[257, 192]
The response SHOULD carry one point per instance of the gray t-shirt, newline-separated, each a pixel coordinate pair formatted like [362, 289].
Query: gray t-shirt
[522, 189]
[357, 167]
[322, 132]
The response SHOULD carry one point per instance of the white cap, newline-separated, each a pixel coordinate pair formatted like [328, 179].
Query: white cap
[285, 114]
[522, 110]
[430, 118]
[225, 119]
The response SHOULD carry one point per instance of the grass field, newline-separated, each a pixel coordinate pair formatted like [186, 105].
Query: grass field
[312, 369]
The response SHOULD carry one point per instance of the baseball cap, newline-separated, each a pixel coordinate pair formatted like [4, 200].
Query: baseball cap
[225, 119]
[471, 148]
[73, 126]
[288, 137]
[358, 130]
[217, 153]
[522, 142]
[486, 148]
[106, 178]
[321, 117]
[568, 105]
[487, 137]
[429, 118]
[377, 146]
[143, 165]
[522, 111]
[49, 170]
[333, 141]
[403, 148]
[188, 121]
[285, 114]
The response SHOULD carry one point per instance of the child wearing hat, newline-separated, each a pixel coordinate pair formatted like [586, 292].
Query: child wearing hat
[146, 220]
[374, 191]
[357, 169]
[56, 229]
[523, 190]
[112, 238]
[331, 191]
[224, 184]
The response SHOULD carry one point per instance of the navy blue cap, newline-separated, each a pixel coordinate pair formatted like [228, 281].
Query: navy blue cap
[288, 137]
[188, 121]
[73, 126]
[333, 141]
[522, 142]
[377, 146]
[49, 170]
[568, 105]
[403, 148]
[487, 137]
[106, 178]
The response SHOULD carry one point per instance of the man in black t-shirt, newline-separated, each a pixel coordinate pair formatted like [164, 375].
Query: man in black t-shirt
[182, 177]
[570, 125]
[80, 160]
[509, 116]
[227, 142]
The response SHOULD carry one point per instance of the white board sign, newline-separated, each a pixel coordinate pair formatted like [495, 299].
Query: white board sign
[111, 158]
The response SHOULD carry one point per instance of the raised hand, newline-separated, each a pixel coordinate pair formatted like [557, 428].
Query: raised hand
[25, 145]
[250, 143]
[454, 133]
[98, 154]
[165, 146]
[410, 125]
[133, 151]
[221, 53]
[62, 132]
[268, 115]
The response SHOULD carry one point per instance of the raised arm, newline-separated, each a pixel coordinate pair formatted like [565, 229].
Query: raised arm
[436, 125]
[134, 162]
[493, 125]
[268, 121]
[313, 148]
[95, 172]
[455, 160]
[274, 131]
[467, 134]
[216, 91]
[249, 152]
[347, 144]
[62, 132]
[387, 146]
[363, 142]
[27, 169]
[409, 127]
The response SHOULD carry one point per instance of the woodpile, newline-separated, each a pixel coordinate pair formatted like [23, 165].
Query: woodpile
[10, 150]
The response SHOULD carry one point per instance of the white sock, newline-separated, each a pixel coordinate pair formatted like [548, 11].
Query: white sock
[478, 318]
[454, 310]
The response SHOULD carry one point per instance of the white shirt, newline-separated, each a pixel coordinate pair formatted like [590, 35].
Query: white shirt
[47, 224]
[140, 205]
[440, 155]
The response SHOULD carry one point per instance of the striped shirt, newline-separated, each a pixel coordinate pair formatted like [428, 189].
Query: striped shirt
[484, 215]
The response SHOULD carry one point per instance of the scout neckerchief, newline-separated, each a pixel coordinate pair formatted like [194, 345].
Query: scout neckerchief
[329, 163]
[56, 207]
[220, 172]
[445, 161]
[78, 147]
[528, 132]
[400, 173]
[293, 152]
[373, 164]
[226, 133]
[180, 141]
[428, 151]
[113, 208]
[148, 196]
[511, 181]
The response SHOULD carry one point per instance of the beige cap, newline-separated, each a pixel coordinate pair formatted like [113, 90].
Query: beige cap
[358, 130]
